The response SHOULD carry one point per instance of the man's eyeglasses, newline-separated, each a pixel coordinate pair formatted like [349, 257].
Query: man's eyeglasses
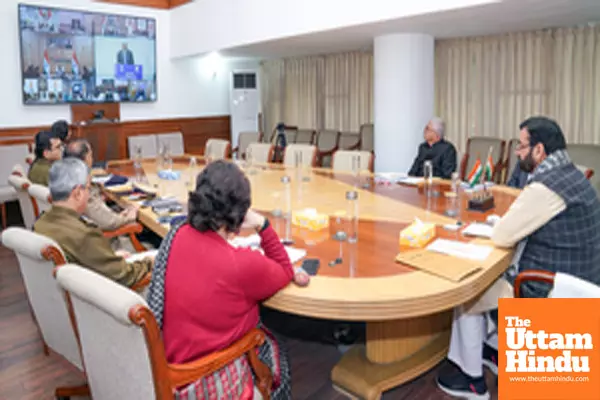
[522, 146]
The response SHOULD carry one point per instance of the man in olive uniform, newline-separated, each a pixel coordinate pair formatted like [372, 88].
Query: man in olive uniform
[83, 244]
[48, 148]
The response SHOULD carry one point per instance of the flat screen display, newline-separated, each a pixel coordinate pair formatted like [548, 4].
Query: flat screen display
[72, 56]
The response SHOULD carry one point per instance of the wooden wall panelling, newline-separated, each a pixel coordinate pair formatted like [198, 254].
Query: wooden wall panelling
[18, 132]
[85, 112]
[195, 131]
[110, 139]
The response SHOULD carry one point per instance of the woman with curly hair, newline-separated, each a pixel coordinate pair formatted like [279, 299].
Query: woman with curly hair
[205, 293]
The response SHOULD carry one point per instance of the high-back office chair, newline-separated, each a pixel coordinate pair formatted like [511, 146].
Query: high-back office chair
[564, 285]
[327, 143]
[217, 149]
[10, 155]
[174, 141]
[344, 160]
[307, 152]
[478, 146]
[146, 143]
[367, 137]
[261, 153]
[138, 368]
[37, 256]
[21, 186]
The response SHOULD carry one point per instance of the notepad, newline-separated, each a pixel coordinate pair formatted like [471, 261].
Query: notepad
[469, 251]
[479, 230]
[439, 264]
[141, 256]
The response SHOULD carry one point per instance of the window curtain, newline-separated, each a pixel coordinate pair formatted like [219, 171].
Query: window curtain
[486, 86]
[319, 92]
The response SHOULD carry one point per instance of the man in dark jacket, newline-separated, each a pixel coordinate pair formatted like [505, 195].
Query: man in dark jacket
[436, 149]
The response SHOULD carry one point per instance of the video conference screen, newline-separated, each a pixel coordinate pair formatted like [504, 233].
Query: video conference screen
[82, 57]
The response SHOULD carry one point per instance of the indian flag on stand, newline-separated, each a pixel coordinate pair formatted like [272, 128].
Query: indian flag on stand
[479, 170]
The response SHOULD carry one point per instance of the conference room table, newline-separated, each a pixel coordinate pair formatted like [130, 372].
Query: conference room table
[407, 311]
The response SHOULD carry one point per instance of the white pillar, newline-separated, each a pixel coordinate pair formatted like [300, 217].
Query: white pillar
[403, 97]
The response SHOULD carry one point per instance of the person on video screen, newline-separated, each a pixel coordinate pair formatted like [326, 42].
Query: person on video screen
[125, 56]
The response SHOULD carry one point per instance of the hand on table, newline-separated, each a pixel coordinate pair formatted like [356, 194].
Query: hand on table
[301, 278]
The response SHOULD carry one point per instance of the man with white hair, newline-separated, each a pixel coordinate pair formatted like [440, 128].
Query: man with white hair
[83, 244]
[441, 153]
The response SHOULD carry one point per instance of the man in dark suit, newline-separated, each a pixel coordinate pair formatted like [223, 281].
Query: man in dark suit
[436, 149]
[125, 56]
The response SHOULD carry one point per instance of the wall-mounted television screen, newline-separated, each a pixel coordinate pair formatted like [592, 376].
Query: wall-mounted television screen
[72, 56]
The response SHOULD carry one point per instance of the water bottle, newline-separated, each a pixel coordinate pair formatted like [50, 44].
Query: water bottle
[137, 163]
[452, 197]
[352, 215]
[192, 173]
[287, 212]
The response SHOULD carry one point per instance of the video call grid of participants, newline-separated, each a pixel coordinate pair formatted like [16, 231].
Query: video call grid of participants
[66, 70]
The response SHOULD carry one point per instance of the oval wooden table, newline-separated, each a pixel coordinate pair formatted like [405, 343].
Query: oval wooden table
[407, 311]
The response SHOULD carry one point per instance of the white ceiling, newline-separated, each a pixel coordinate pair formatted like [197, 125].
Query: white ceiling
[502, 17]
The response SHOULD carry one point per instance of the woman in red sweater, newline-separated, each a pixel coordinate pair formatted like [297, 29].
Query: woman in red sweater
[205, 293]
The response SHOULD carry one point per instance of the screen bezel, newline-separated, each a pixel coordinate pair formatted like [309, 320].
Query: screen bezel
[62, 103]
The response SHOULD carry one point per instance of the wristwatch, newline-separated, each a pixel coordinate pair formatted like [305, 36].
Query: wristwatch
[264, 226]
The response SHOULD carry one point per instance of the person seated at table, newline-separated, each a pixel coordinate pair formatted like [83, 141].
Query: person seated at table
[48, 148]
[556, 223]
[103, 216]
[82, 243]
[436, 149]
[518, 178]
[61, 130]
[197, 267]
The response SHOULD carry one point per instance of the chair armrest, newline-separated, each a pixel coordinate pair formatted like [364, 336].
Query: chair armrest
[134, 227]
[130, 230]
[142, 283]
[183, 374]
[532, 275]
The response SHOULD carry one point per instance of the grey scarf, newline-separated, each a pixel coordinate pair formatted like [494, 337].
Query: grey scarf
[156, 292]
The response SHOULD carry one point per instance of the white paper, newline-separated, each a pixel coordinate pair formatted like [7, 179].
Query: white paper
[142, 255]
[253, 241]
[101, 180]
[453, 248]
[479, 230]
[391, 177]
[412, 180]
[295, 254]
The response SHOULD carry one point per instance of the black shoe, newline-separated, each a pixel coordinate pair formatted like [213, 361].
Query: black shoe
[462, 386]
[490, 358]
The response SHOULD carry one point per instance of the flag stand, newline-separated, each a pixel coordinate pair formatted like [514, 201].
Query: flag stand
[483, 200]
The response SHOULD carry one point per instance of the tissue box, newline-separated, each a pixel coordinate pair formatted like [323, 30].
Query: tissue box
[310, 219]
[417, 235]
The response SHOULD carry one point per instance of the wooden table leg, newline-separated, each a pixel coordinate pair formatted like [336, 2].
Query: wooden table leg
[395, 352]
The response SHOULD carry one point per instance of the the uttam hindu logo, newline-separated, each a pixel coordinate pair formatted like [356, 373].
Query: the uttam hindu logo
[547, 349]
[524, 345]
